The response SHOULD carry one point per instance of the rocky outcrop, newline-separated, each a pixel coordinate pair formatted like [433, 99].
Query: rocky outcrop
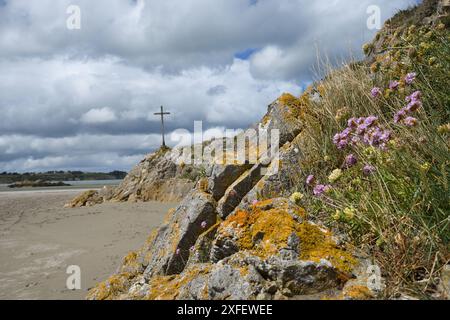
[276, 252]
[253, 252]
[224, 241]
[161, 176]
[170, 174]
[37, 184]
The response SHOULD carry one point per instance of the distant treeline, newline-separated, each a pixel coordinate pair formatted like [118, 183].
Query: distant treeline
[11, 177]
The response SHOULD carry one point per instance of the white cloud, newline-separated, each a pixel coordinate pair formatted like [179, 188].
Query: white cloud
[102, 115]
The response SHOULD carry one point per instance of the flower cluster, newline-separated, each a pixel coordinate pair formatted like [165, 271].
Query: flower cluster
[335, 175]
[350, 160]
[410, 77]
[347, 215]
[376, 92]
[393, 85]
[320, 189]
[362, 130]
[296, 197]
[310, 180]
[368, 170]
[404, 114]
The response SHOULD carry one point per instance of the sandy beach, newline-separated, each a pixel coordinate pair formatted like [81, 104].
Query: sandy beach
[39, 239]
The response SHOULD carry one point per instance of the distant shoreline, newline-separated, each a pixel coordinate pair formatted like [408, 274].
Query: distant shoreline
[60, 176]
[74, 185]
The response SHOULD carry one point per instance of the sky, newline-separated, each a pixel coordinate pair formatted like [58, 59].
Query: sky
[84, 99]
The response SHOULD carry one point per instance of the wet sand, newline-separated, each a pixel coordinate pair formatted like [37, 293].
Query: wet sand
[39, 239]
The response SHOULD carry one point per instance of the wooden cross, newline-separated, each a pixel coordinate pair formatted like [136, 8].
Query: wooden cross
[162, 113]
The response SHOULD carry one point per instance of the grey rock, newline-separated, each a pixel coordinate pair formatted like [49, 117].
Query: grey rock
[300, 277]
[280, 116]
[264, 296]
[223, 247]
[238, 189]
[203, 246]
[170, 250]
[194, 289]
[293, 242]
[228, 282]
[278, 180]
[222, 177]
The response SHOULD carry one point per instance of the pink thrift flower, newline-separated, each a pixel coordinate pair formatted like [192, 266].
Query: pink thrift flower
[410, 77]
[371, 120]
[310, 180]
[351, 160]
[376, 92]
[410, 121]
[400, 115]
[368, 170]
[393, 85]
[352, 123]
[320, 189]
[414, 105]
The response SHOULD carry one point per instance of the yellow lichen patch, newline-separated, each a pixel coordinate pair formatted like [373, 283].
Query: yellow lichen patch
[203, 184]
[130, 258]
[111, 288]
[274, 226]
[239, 219]
[317, 244]
[265, 120]
[294, 105]
[287, 98]
[357, 292]
[244, 271]
[168, 287]
[169, 215]
[266, 229]
[151, 237]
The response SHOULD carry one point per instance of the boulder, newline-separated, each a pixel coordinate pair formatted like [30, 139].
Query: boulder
[300, 277]
[169, 252]
[222, 177]
[282, 176]
[284, 114]
[87, 198]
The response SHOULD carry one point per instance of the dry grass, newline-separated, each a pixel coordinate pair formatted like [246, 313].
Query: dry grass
[401, 210]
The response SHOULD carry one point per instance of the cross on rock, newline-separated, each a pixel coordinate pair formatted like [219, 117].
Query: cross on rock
[162, 113]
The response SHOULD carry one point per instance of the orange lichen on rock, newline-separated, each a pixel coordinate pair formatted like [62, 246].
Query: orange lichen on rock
[168, 287]
[265, 230]
[357, 292]
[111, 288]
[317, 244]
[294, 105]
[169, 215]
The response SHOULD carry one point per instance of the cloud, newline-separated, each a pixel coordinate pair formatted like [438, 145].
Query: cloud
[75, 98]
[102, 115]
[216, 90]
